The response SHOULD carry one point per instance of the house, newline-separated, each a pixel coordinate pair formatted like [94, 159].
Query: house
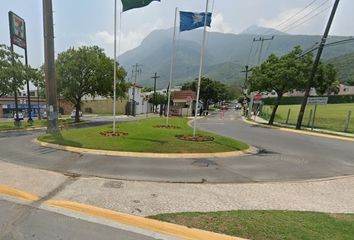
[183, 103]
[345, 90]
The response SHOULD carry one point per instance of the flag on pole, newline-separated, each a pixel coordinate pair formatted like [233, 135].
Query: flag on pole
[192, 20]
[131, 4]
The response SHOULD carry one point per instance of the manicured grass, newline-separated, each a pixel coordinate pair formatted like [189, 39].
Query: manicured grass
[275, 225]
[4, 126]
[143, 137]
[24, 124]
[331, 116]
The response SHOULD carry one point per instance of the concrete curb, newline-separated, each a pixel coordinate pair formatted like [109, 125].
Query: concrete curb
[250, 150]
[123, 218]
[300, 131]
[140, 222]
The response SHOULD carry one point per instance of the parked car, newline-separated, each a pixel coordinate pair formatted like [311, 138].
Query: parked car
[73, 114]
[44, 115]
[20, 116]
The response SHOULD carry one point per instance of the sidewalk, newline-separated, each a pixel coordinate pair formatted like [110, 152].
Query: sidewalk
[149, 198]
[318, 130]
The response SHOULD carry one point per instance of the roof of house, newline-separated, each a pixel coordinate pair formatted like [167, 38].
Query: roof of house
[185, 95]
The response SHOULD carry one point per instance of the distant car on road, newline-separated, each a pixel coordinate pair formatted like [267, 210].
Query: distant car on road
[73, 114]
[20, 116]
[224, 107]
[238, 106]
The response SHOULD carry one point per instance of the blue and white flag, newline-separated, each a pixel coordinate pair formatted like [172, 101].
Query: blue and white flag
[192, 20]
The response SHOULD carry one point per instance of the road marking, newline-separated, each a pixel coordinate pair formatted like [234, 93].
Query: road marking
[141, 222]
[12, 192]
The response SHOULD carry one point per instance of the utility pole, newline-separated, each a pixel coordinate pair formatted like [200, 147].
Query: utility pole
[49, 67]
[155, 77]
[262, 39]
[136, 70]
[246, 71]
[315, 65]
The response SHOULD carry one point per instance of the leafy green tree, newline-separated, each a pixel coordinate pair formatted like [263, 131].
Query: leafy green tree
[12, 71]
[148, 89]
[87, 71]
[210, 91]
[291, 72]
[280, 74]
[160, 99]
[326, 81]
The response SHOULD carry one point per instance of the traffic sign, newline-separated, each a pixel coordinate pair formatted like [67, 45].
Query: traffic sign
[317, 100]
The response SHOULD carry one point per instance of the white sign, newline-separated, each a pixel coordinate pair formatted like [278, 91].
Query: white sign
[317, 100]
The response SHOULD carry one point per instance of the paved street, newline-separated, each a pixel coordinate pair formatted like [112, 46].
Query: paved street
[283, 156]
[23, 222]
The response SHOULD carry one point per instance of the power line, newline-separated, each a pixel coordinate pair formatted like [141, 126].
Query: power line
[291, 17]
[296, 21]
[293, 26]
[249, 55]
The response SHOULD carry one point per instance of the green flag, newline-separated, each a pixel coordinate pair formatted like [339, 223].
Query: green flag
[130, 4]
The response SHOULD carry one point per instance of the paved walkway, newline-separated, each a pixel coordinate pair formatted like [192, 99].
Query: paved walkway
[147, 198]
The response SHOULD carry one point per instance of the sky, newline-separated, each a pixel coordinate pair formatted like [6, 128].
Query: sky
[90, 22]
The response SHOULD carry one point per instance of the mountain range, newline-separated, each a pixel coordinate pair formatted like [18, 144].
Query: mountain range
[225, 56]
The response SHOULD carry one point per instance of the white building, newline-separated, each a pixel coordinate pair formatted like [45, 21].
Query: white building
[136, 95]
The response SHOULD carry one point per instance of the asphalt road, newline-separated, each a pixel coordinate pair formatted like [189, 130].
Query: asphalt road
[23, 222]
[283, 156]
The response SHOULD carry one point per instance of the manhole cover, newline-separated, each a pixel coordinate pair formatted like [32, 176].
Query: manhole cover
[113, 184]
[203, 163]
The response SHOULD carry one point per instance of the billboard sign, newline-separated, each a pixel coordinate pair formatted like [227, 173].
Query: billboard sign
[17, 30]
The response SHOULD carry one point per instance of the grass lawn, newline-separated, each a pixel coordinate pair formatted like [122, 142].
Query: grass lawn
[275, 225]
[24, 124]
[331, 116]
[143, 137]
[4, 126]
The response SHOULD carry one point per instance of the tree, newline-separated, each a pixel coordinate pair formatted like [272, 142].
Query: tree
[210, 91]
[326, 81]
[87, 71]
[12, 71]
[280, 74]
[291, 72]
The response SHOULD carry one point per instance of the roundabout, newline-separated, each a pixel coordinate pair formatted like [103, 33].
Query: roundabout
[282, 156]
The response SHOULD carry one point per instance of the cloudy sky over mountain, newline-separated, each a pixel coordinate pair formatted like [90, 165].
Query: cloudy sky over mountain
[86, 22]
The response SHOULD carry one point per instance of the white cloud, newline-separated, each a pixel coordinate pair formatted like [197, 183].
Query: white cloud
[219, 25]
[129, 39]
[310, 21]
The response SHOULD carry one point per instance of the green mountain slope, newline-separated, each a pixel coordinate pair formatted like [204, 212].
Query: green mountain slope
[225, 56]
[345, 67]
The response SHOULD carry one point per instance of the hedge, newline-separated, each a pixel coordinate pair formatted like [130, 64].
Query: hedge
[332, 99]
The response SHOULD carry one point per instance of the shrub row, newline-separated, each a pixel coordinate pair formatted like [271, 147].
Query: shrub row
[332, 99]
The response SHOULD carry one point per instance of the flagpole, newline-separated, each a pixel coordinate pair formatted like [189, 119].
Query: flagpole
[200, 67]
[172, 67]
[115, 67]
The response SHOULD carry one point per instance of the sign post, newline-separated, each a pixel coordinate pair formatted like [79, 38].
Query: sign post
[18, 38]
[316, 101]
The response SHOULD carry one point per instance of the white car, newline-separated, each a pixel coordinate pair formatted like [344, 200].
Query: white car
[20, 116]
